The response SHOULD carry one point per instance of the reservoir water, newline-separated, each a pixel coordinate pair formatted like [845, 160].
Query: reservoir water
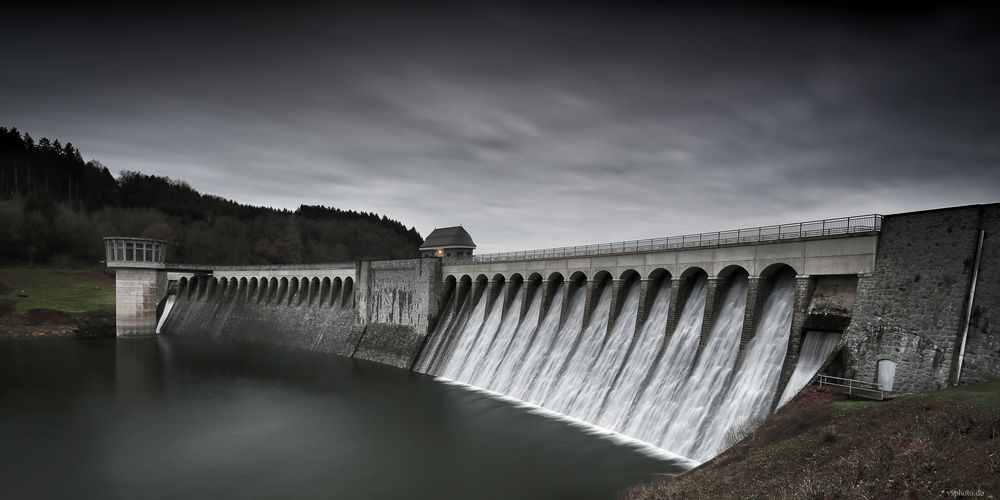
[171, 417]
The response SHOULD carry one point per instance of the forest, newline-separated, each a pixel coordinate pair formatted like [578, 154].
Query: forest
[55, 208]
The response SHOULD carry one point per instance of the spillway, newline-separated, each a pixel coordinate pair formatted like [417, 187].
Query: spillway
[816, 348]
[678, 390]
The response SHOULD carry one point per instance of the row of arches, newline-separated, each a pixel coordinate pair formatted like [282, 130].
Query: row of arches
[293, 292]
[458, 288]
[602, 277]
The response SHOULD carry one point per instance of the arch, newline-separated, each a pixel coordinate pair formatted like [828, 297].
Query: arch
[347, 299]
[730, 271]
[578, 276]
[465, 279]
[693, 272]
[182, 286]
[336, 291]
[629, 275]
[556, 277]
[482, 277]
[658, 274]
[516, 278]
[243, 288]
[324, 290]
[273, 289]
[776, 269]
[315, 292]
[602, 277]
[255, 290]
[221, 288]
[450, 281]
[282, 291]
[535, 277]
[293, 291]
[499, 277]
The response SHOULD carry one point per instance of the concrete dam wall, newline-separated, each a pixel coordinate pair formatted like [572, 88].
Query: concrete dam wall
[673, 346]
[302, 312]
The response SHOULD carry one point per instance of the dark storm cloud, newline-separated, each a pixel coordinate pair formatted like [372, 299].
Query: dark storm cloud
[532, 126]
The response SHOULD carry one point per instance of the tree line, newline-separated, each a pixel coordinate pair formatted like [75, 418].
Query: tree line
[55, 207]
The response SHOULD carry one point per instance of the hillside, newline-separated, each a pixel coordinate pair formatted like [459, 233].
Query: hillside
[939, 444]
[55, 207]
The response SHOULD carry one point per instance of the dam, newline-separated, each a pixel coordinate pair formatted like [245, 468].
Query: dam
[674, 342]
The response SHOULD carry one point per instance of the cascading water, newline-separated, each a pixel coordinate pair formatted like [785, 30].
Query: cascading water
[816, 348]
[704, 388]
[656, 386]
[497, 348]
[167, 306]
[454, 359]
[574, 378]
[607, 365]
[548, 373]
[518, 345]
[622, 396]
[750, 396]
[523, 373]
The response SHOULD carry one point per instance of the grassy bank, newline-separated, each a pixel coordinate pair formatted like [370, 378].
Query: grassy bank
[55, 302]
[822, 446]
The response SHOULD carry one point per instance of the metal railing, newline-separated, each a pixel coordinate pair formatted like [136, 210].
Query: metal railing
[262, 267]
[854, 387]
[819, 228]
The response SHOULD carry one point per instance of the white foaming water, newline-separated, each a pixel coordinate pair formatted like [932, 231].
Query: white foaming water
[574, 379]
[480, 347]
[465, 339]
[608, 364]
[751, 394]
[437, 338]
[482, 375]
[622, 397]
[640, 446]
[166, 312]
[518, 346]
[652, 387]
[670, 373]
[524, 373]
[548, 373]
[816, 347]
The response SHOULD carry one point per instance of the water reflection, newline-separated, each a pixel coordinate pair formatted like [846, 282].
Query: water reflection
[169, 418]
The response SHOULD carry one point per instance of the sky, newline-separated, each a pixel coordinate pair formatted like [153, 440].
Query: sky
[532, 126]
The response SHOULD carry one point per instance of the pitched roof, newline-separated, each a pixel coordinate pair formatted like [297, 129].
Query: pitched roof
[455, 236]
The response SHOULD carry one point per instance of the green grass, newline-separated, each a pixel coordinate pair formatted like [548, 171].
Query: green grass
[986, 394]
[64, 290]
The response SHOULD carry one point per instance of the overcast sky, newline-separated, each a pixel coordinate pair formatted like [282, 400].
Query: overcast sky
[532, 127]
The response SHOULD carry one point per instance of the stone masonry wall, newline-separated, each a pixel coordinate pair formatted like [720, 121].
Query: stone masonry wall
[911, 309]
[982, 349]
[397, 304]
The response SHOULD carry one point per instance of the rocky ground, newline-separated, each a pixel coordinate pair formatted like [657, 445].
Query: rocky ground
[938, 444]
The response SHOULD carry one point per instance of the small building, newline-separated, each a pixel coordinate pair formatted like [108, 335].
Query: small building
[448, 242]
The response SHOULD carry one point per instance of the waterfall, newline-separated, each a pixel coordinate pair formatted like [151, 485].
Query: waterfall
[166, 312]
[609, 362]
[518, 346]
[509, 324]
[751, 394]
[816, 348]
[672, 370]
[467, 337]
[573, 378]
[548, 371]
[622, 396]
[672, 389]
[524, 371]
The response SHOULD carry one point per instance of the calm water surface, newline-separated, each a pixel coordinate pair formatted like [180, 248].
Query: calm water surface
[190, 418]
